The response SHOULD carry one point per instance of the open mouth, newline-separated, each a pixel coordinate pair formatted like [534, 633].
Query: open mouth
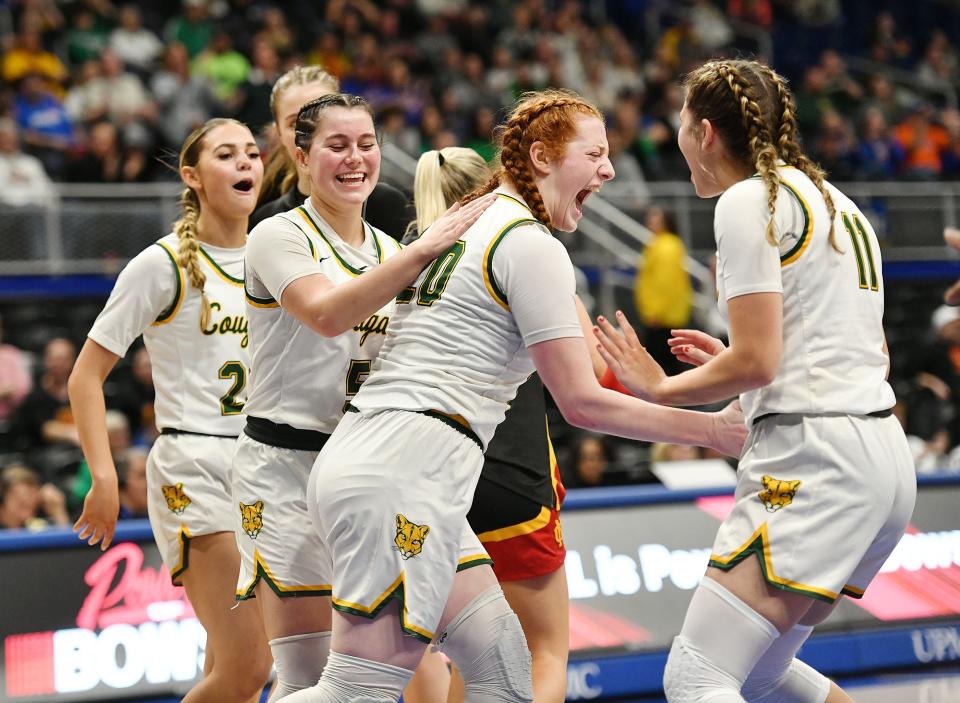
[352, 179]
[244, 186]
[582, 197]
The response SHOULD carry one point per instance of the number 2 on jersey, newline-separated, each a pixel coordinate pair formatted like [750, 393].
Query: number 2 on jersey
[861, 249]
[229, 405]
[435, 282]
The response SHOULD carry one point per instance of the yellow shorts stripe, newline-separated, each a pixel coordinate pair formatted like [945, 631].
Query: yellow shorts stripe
[524, 528]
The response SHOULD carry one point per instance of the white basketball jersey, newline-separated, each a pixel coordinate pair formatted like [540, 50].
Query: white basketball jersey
[301, 378]
[833, 341]
[200, 375]
[455, 346]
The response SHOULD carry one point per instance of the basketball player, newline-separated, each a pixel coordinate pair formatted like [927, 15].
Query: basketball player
[185, 295]
[826, 463]
[320, 288]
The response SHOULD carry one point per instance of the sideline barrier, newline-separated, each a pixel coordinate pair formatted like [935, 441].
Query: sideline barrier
[81, 625]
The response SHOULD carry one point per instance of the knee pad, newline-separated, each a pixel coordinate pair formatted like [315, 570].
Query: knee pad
[798, 683]
[299, 660]
[487, 644]
[720, 643]
[349, 679]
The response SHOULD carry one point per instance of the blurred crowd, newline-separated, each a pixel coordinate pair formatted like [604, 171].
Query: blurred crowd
[103, 91]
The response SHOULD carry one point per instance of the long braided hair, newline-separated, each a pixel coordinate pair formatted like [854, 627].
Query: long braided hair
[548, 116]
[753, 110]
[188, 252]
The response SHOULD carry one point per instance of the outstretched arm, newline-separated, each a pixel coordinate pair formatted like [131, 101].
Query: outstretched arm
[333, 309]
[565, 368]
[751, 360]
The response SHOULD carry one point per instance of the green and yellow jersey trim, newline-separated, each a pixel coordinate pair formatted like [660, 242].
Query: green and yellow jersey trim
[262, 571]
[468, 562]
[219, 271]
[488, 278]
[759, 544]
[801, 246]
[177, 571]
[397, 590]
[262, 303]
[343, 263]
[171, 312]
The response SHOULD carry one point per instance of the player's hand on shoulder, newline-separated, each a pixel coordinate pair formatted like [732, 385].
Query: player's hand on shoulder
[628, 358]
[441, 235]
[694, 347]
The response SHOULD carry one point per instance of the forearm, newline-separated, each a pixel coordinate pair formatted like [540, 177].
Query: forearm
[339, 308]
[89, 412]
[725, 376]
[609, 412]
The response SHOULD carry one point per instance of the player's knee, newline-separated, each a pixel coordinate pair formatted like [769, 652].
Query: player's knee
[690, 677]
[487, 644]
[299, 660]
[797, 683]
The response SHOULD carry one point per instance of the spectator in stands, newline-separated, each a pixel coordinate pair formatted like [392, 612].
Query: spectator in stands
[185, 100]
[25, 503]
[27, 57]
[104, 160]
[328, 52]
[85, 40]
[45, 128]
[22, 178]
[222, 65]
[128, 104]
[836, 147]
[812, 100]
[25, 189]
[253, 96]
[879, 155]
[86, 101]
[887, 44]
[923, 142]
[44, 417]
[662, 292]
[134, 44]
[15, 381]
[938, 378]
[132, 476]
[276, 32]
[193, 28]
[591, 457]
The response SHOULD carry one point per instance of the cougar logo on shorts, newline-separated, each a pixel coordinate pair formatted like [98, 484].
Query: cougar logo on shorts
[778, 494]
[410, 537]
[252, 518]
[177, 500]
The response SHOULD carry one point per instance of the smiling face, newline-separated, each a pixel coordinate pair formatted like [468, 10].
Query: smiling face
[583, 169]
[343, 158]
[228, 172]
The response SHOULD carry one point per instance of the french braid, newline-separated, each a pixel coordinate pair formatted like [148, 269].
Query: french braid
[188, 252]
[547, 116]
[788, 144]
